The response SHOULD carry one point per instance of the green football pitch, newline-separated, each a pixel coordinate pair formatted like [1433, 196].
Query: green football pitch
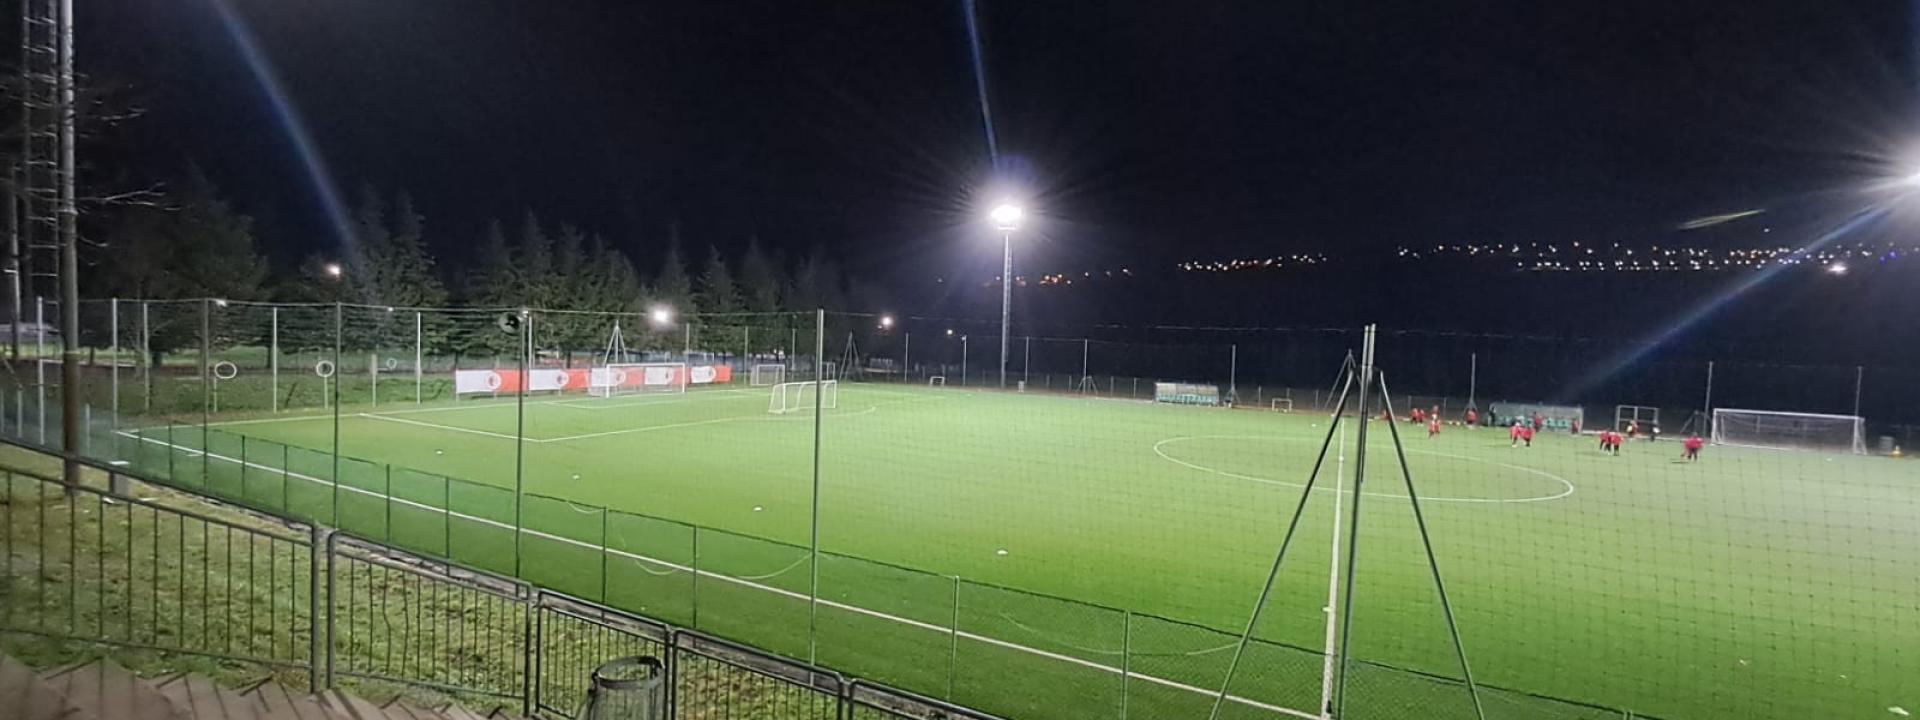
[1061, 556]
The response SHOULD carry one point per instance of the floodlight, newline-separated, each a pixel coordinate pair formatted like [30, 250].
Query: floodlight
[886, 321]
[334, 270]
[1007, 216]
[661, 315]
[1838, 268]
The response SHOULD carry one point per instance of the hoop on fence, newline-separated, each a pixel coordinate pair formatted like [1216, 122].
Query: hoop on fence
[324, 368]
[225, 370]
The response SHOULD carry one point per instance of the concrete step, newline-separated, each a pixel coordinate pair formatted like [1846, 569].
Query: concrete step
[112, 692]
[29, 697]
[199, 698]
[274, 701]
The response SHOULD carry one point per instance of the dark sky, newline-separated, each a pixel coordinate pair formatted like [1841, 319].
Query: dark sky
[1141, 131]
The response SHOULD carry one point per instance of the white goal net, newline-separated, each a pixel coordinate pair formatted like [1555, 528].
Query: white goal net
[637, 378]
[788, 397]
[764, 375]
[1789, 430]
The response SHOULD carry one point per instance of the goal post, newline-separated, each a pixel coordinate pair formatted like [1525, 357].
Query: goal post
[1647, 418]
[637, 378]
[1781, 430]
[792, 396]
[766, 374]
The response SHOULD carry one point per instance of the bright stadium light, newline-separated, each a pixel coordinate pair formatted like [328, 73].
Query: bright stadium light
[886, 322]
[334, 270]
[1007, 216]
[1838, 268]
[661, 315]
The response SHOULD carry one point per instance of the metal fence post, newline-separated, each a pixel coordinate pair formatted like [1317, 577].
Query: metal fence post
[316, 538]
[526, 639]
[695, 590]
[328, 545]
[1126, 659]
[953, 633]
[537, 665]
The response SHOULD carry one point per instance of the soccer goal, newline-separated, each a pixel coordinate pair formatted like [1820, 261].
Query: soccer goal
[637, 378]
[937, 381]
[1282, 405]
[765, 375]
[1648, 418]
[788, 397]
[1789, 430]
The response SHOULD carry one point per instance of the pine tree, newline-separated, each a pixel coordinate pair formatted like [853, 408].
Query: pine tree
[496, 283]
[672, 287]
[414, 275]
[717, 293]
[367, 271]
[197, 246]
[759, 279]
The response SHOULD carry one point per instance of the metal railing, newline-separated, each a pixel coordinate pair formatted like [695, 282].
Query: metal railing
[85, 567]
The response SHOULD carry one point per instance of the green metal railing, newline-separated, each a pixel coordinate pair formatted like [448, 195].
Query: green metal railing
[82, 567]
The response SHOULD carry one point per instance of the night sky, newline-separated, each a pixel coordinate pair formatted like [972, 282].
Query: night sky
[1142, 132]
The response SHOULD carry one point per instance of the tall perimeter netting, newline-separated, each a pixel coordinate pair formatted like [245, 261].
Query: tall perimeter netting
[1622, 531]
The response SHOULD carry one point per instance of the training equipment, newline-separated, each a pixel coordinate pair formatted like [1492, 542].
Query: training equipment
[1789, 430]
[1647, 417]
[635, 378]
[1555, 417]
[766, 375]
[788, 397]
[1186, 393]
[937, 381]
[1282, 405]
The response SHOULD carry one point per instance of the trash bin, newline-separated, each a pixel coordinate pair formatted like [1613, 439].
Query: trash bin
[633, 688]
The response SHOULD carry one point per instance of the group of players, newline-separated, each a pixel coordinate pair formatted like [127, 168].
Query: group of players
[1523, 430]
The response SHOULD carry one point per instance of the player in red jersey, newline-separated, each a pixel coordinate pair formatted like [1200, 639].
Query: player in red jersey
[1473, 418]
[1633, 429]
[1526, 436]
[1693, 445]
[1513, 435]
[1538, 422]
[1433, 426]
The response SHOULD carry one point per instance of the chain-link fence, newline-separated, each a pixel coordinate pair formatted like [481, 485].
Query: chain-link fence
[1090, 537]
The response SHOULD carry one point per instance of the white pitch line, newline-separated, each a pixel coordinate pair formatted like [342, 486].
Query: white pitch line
[1566, 491]
[943, 630]
[438, 426]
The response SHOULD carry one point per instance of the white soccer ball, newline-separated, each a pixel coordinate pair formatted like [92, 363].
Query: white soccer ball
[757, 508]
[439, 452]
[1001, 551]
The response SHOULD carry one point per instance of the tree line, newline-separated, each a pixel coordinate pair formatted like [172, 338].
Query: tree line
[196, 244]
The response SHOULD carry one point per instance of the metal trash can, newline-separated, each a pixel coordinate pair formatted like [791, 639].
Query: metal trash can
[633, 688]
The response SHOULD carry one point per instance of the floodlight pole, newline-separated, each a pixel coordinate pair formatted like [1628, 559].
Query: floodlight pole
[819, 392]
[1353, 522]
[69, 228]
[1707, 409]
[1473, 377]
[1859, 381]
[1006, 300]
